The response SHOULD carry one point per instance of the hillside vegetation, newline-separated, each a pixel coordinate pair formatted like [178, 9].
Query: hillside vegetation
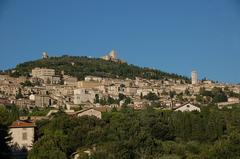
[144, 134]
[131, 134]
[84, 66]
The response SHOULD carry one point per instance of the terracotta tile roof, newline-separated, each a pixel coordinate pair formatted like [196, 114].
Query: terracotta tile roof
[22, 124]
[4, 101]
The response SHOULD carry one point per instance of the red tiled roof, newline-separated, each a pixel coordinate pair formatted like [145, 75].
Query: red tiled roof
[22, 124]
[4, 101]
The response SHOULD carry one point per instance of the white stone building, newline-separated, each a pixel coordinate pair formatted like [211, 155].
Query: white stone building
[43, 101]
[22, 133]
[83, 95]
[69, 80]
[39, 72]
[90, 112]
[233, 99]
[194, 77]
[188, 108]
[93, 78]
[47, 75]
[131, 91]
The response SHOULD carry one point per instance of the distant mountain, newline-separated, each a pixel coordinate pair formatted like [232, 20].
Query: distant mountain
[84, 66]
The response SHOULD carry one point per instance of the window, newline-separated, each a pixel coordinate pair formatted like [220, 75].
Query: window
[24, 136]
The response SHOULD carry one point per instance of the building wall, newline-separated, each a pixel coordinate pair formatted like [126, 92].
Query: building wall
[42, 101]
[91, 112]
[188, 107]
[93, 78]
[232, 99]
[38, 72]
[84, 95]
[47, 75]
[88, 84]
[68, 80]
[56, 80]
[194, 77]
[17, 135]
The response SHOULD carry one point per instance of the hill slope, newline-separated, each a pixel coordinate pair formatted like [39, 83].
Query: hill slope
[84, 66]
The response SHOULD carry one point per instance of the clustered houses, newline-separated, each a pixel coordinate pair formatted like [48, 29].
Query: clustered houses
[66, 91]
[96, 94]
[93, 95]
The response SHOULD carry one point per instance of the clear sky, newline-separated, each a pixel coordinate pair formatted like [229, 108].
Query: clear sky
[171, 35]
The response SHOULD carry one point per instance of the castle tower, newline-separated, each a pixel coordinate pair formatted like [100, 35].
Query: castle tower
[45, 55]
[113, 55]
[194, 77]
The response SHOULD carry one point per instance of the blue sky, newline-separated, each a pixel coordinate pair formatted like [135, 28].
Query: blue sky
[171, 35]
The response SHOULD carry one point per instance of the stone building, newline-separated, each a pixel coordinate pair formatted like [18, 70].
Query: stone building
[93, 78]
[188, 108]
[45, 55]
[22, 133]
[112, 56]
[90, 112]
[39, 72]
[88, 84]
[83, 95]
[69, 80]
[47, 75]
[43, 101]
[194, 77]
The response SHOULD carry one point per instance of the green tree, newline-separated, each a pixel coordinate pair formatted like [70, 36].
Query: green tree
[19, 94]
[151, 96]
[49, 147]
[5, 120]
[27, 83]
[97, 100]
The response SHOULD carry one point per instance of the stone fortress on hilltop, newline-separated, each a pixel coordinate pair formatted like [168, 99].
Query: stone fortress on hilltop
[45, 55]
[112, 56]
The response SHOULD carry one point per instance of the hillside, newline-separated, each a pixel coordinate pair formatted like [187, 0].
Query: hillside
[84, 66]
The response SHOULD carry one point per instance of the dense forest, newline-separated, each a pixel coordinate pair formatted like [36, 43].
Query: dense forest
[131, 134]
[143, 134]
[83, 66]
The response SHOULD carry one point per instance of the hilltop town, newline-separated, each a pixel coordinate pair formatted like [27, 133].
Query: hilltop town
[105, 79]
[44, 88]
[45, 91]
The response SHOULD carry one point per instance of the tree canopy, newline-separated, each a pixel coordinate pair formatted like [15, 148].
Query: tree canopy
[84, 66]
[149, 133]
